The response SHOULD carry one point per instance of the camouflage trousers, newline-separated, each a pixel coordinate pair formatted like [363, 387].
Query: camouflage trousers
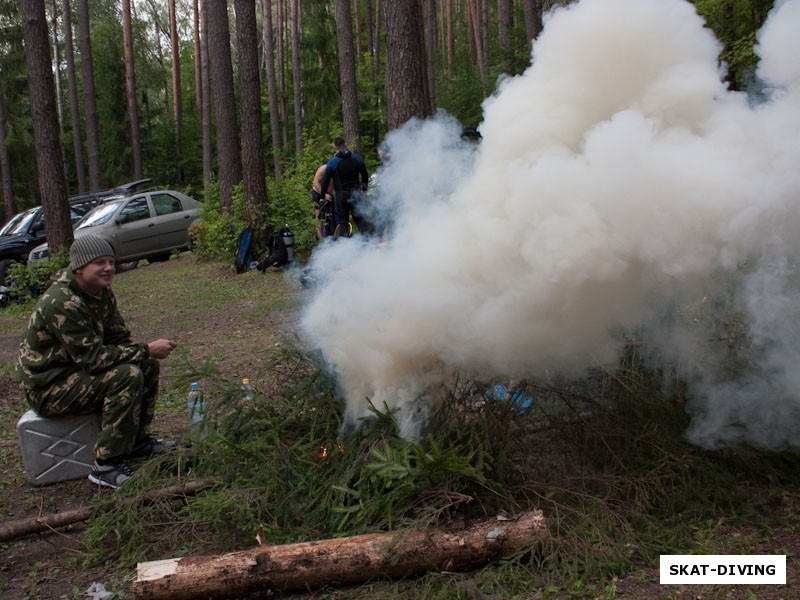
[124, 397]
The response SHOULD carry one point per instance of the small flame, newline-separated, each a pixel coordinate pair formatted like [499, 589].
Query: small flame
[325, 452]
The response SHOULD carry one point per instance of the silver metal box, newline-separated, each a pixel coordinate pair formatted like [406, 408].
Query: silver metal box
[57, 448]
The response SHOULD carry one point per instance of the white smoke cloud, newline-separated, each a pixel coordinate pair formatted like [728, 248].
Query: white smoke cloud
[616, 174]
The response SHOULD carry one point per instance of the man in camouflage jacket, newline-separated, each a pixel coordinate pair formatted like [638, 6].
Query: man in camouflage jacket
[76, 357]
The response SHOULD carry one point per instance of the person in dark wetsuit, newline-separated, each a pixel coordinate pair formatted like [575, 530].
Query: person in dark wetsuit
[350, 179]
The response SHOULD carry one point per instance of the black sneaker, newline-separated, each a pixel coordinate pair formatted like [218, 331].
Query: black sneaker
[111, 474]
[151, 446]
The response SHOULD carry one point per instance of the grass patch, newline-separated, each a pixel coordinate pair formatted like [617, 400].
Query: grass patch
[603, 456]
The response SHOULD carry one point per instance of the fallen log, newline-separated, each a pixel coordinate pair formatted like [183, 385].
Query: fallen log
[308, 565]
[17, 529]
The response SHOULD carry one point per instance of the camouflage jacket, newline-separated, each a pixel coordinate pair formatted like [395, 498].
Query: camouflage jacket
[72, 330]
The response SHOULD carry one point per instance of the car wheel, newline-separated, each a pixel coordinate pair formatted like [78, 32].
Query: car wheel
[126, 266]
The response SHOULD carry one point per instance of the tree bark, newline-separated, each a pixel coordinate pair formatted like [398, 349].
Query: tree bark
[449, 44]
[272, 89]
[280, 45]
[89, 97]
[344, 561]
[5, 165]
[296, 80]
[130, 89]
[50, 166]
[57, 78]
[177, 96]
[158, 31]
[198, 77]
[205, 109]
[368, 26]
[75, 113]
[253, 174]
[357, 14]
[532, 16]
[229, 158]
[23, 527]
[430, 50]
[406, 94]
[347, 72]
[504, 25]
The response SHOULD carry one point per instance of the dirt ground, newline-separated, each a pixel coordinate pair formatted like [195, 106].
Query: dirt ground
[47, 566]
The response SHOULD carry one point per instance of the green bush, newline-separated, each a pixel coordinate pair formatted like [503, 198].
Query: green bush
[29, 282]
[217, 234]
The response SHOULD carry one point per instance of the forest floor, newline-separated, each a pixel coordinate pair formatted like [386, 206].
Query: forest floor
[50, 565]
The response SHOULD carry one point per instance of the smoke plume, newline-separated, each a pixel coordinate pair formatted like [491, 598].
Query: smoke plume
[617, 177]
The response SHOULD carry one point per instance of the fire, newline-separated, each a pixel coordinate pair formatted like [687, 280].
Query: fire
[324, 452]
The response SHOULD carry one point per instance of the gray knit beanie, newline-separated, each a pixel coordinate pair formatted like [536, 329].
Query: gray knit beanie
[87, 248]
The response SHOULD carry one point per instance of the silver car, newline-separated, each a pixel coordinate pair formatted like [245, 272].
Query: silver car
[148, 225]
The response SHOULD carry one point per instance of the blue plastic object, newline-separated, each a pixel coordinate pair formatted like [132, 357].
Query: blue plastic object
[521, 401]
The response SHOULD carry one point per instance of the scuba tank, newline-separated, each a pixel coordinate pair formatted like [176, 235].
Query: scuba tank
[288, 242]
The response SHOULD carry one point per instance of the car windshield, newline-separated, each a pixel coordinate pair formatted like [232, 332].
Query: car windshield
[19, 224]
[98, 216]
[79, 210]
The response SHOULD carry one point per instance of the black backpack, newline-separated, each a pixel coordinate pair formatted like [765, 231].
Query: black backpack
[277, 256]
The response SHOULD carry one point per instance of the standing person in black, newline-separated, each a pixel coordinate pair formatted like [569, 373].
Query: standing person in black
[350, 178]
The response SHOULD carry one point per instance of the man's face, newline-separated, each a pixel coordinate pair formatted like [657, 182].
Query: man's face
[97, 275]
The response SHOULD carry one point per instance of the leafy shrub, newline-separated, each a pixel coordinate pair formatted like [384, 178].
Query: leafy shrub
[217, 234]
[29, 282]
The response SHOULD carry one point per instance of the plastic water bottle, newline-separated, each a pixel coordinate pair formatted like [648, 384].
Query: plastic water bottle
[247, 390]
[197, 412]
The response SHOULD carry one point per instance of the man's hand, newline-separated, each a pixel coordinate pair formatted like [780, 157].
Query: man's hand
[161, 348]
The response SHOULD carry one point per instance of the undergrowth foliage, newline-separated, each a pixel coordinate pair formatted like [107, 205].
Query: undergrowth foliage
[30, 282]
[604, 458]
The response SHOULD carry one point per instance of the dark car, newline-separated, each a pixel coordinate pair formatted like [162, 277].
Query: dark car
[25, 231]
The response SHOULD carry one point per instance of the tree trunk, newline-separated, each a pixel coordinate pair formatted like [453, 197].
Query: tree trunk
[344, 561]
[89, 97]
[379, 24]
[430, 50]
[198, 77]
[357, 14]
[254, 177]
[158, 31]
[296, 80]
[347, 72]
[177, 96]
[504, 25]
[368, 27]
[208, 173]
[5, 165]
[449, 44]
[531, 21]
[376, 39]
[484, 44]
[57, 77]
[130, 89]
[280, 45]
[52, 182]
[405, 63]
[229, 158]
[272, 89]
[75, 113]
[17, 529]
